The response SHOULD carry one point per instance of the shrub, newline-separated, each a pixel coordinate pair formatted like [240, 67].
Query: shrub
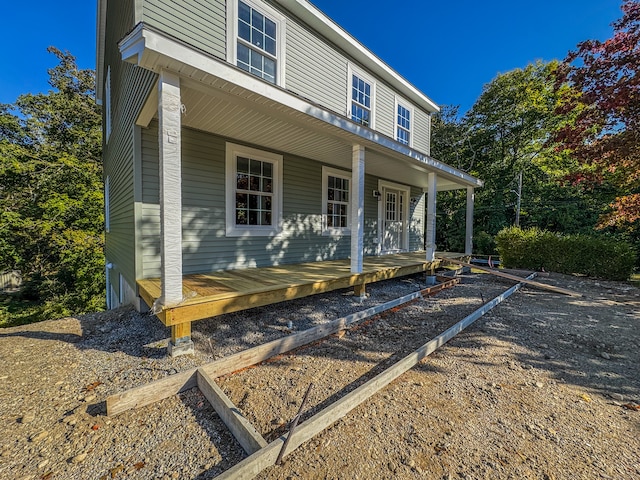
[595, 256]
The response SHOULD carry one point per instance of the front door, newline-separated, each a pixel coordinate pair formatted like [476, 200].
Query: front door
[393, 221]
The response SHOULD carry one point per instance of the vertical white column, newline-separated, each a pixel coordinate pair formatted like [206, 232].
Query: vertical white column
[432, 182]
[357, 208]
[468, 244]
[170, 187]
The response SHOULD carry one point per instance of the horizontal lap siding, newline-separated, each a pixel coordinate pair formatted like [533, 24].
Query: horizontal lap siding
[385, 110]
[422, 132]
[205, 245]
[129, 88]
[315, 70]
[416, 219]
[200, 23]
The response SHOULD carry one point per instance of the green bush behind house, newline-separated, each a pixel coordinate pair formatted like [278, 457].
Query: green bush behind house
[535, 249]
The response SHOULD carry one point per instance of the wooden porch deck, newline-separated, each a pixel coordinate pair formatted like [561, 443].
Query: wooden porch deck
[215, 293]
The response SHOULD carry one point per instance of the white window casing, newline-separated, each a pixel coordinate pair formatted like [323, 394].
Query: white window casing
[257, 50]
[253, 215]
[355, 97]
[404, 119]
[329, 226]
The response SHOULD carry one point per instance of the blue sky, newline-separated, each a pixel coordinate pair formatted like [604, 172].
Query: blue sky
[449, 50]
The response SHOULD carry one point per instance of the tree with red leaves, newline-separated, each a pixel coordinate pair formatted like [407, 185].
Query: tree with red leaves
[601, 107]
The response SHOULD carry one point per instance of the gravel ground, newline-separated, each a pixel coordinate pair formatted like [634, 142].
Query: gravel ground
[543, 387]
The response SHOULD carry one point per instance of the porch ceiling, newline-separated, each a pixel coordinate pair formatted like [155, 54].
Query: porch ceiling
[226, 101]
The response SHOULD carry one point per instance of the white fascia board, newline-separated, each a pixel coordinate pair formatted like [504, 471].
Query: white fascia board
[101, 14]
[316, 19]
[154, 51]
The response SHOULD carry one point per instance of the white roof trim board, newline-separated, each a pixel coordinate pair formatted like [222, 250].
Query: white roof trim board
[320, 22]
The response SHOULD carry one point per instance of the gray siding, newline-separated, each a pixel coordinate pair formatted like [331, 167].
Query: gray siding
[422, 132]
[416, 219]
[129, 89]
[315, 70]
[205, 246]
[200, 23]
[385, 110]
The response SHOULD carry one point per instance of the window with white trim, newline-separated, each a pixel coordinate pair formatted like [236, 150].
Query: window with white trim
[254, 186]
[361, 98]
[404, 123]
[258, 41]
[336, 200]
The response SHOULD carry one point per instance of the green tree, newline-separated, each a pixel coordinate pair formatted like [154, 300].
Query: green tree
[51, 201]
[504, 135]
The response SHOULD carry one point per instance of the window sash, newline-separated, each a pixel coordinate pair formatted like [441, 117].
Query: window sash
[361, 99]
[254, 192]
[257, 43]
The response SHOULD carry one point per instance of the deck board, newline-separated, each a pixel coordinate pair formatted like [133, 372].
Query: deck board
[215, 293]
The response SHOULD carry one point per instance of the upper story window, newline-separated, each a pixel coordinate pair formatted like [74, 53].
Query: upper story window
[254, 200]
[257, 45]
[404, 123]
[361, 98]
[336, 200]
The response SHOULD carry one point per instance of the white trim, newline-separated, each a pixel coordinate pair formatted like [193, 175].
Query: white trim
[151, 50]
[404, 190]
[107, 204]
[107, 106]
[234, 150]
[333, 172]
[101, 21]
[354, 70]
[121, 295]
[430, 228]
[281, 25]
[412, 119]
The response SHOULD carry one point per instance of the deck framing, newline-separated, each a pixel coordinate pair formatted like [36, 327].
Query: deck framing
[217, 293]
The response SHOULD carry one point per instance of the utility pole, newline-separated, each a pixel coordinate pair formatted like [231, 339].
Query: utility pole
[519, 194]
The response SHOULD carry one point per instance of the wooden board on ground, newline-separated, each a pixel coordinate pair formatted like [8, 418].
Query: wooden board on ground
[533, 283]
[179, 382]
[266, 457]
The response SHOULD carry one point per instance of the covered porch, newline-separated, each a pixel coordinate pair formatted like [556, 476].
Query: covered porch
[204, 94]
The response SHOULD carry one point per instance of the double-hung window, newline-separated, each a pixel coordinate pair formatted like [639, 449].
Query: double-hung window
[258, 40]
[336, 198]
[404, 121]
[253, 182]
[361, 98]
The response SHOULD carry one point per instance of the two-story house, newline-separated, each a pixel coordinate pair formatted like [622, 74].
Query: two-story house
[254, 134]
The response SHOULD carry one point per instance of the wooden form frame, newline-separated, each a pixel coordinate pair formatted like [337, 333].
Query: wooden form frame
[500, 274]
[261, 454]
[179, 382]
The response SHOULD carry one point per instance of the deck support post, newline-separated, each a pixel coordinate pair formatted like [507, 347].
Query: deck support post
[468, 244]
[170, 163]
[181, 343]
[357, 209]
[432, 185]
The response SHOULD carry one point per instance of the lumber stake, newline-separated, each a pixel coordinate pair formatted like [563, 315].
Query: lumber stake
[293, 425]
[533, 283]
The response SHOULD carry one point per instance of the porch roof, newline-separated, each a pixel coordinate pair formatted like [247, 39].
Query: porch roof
[222, 99]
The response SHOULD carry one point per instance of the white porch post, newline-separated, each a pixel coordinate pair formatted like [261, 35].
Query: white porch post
[468, 244]
[357, 208]
[432, 184]
[170, 188]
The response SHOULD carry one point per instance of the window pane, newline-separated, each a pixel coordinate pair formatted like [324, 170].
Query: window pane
[269, 67]
[267, 169]
[253, 202]
[253, 217]
[270, 28]
[243, 56]
[266, 218]
[268, 185]
[270, 45]
[244, 31]
[257, 20]
[242, 182]
[243, 165]
[244, 11]
[257, 38]
[254, 183]
[256, 61]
